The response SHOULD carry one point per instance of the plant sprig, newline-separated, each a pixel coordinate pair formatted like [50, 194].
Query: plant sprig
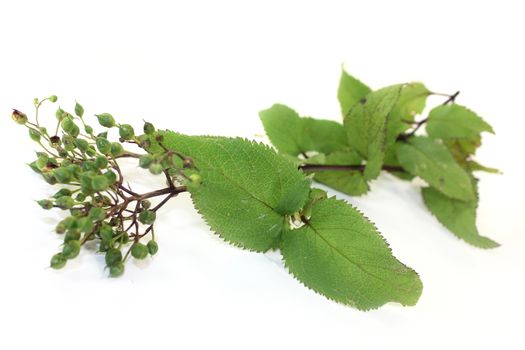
[380, 132]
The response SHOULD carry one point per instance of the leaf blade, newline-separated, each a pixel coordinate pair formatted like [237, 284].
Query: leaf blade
[340, 254]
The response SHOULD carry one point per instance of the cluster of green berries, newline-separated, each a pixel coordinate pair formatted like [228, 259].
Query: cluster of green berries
[84, 165]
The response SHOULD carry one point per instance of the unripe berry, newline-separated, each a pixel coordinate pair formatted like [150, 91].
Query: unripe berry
[139, 251]
[45, 204]
[116, 270]
[53, 98]
[153, 247]
[106, 120]
[65, 202]
[147, 217]
[113, 256]
[148, 128]
[126, 131]
[155, 168]
[71, 249]
[79, 110]
[145, 161]
[34, 135]
[58, 261]
[103, 145]
[116, 149]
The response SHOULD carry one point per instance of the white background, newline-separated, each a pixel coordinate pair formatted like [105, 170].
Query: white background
[208, 68]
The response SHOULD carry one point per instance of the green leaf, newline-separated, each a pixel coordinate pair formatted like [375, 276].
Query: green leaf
[430, 160]
[475, 166]
[366, 127]
[351, 182]
[457, 216]
[341, 255]
[455, 122]
[411, 102]
[245, 190]
[293, 135]
[350, 92]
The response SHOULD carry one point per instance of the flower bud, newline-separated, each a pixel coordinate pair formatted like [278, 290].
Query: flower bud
[111, 177]
[52, 98]
[106, 232]
[59, 114]
[62, 175]
[106, 120]
[19, 117]
[99, 183]
[97, 214]
[65, 202]
[145, 204]
[101, 162]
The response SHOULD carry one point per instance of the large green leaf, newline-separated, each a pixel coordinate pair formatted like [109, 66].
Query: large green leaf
[350, 92]
[455, 122]
[293, 135]
[457, 216]
[430, 160]
[340, 254]
[350, 182]
[246, 188]
[366, 126]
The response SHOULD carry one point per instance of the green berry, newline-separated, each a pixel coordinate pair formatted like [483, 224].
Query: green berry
[68, 125]
[58, 261]
[45, 204]
[195, 179]
[101, 162]
[116, 149]
[60, 227]
[145, 161]
[59, 114]
[106, 120]
[148, 128]
[89, 165]
[74, 169]
[139, 251]
[53, 98]
[111, 177]
[126, 131]
[156, 168]
[71, 249]
[81, 144]
[106, 232]
[19, 117]
[85, 224]
[99, 183]
[62, 175]
[103, 145]
[145, 204]
[116, 270]
[62, 192]
[79, 110]
[88, 129]
[34, 135]
[147, 217]
[91, 151]
[72, 235]
[97, 214]
[153, 247]
[113, 256]
[65, 202]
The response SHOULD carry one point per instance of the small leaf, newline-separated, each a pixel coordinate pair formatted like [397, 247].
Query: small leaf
[339, 254]
[455, 122]
[366, 127]
[457, 216]
[293, 135]
[430, 160]
[350, 182]
[350, 92]
[411, 102]
[246, 188]
[475, 166]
